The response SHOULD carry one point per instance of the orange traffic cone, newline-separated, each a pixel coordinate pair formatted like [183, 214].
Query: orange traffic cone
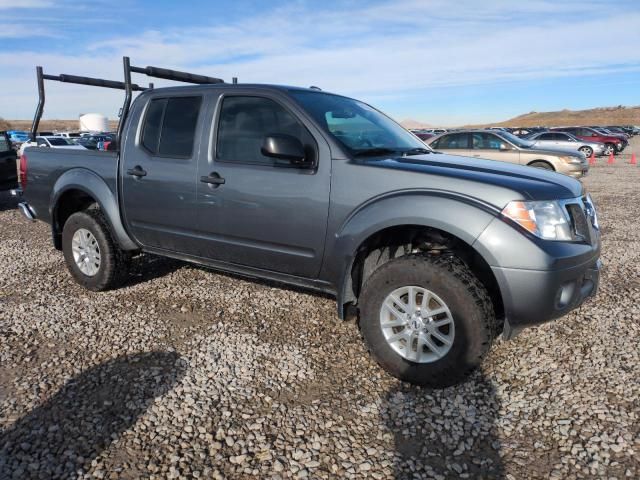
[633, 159]
[610, 161]
[592, 159]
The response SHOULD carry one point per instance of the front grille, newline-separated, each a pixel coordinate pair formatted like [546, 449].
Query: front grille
[579, 221]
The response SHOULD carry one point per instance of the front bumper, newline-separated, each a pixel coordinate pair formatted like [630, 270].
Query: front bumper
[532, 297]
[579, 171]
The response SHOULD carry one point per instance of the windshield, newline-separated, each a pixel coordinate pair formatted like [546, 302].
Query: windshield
[517, 141]
[58, 141]
[360, 128]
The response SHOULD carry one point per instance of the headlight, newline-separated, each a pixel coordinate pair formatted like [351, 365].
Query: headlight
[545, 219]
[570, 159]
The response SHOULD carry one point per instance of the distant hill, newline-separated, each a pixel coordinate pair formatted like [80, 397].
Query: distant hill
[414, 124]
[619, 115]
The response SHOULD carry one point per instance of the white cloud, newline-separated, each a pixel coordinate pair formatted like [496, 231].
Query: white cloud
[24, 4]
[400, 47]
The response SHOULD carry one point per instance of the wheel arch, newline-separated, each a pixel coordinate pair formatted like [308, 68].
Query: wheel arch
[79, 189]
[433, 224]
[541, 160]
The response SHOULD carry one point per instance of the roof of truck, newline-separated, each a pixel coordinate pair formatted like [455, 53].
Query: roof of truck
[232, 86]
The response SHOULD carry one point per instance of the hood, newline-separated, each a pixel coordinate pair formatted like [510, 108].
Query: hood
[526, 183]
[556, 151]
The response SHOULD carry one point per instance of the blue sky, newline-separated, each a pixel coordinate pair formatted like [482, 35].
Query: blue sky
[436, 61]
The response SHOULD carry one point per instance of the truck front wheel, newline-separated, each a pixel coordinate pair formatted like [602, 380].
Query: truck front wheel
[427, 320]
[93, 258]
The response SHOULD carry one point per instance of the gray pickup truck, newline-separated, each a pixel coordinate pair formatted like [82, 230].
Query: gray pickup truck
[435, 255]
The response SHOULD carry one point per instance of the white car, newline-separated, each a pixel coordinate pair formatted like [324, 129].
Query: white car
[57, 142]
[50, 142]
[67, 134]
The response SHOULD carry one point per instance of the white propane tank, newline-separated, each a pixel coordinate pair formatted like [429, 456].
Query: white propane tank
[94, 122]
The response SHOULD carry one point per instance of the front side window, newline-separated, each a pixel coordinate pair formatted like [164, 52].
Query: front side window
[243, 124]
[547, 136]
[170, 126]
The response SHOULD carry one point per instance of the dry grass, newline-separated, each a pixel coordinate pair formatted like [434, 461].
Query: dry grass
[56, 125]
[619, 115]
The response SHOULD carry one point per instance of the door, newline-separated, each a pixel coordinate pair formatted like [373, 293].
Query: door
[263, 212]
[8, 166]
[547, 140]
[159, 173]
[491, 146]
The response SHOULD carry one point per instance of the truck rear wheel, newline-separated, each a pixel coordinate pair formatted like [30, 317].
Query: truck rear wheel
[93, 258]
[427, 320]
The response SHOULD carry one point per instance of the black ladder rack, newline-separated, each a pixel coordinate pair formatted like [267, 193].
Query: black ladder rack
[127, 86]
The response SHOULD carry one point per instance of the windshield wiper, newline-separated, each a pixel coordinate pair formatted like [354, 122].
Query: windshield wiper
[415, 151]
[370, 152]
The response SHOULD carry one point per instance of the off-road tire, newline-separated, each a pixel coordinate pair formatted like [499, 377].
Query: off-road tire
[114, 262]
[469, 303]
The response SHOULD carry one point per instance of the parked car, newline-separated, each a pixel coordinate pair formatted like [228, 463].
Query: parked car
[423, 135]
[565, 140]
[618, 131]
[57, 142]
[68, 135]
[612, 143]
[505, 147]
[92, 142]
[17, 138]
[436, 253]
[8, 171]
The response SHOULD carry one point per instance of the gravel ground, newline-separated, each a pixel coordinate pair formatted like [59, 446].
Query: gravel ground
[185, 373]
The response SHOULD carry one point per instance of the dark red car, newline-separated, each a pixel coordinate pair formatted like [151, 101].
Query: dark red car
[423, 135]
[613, 144]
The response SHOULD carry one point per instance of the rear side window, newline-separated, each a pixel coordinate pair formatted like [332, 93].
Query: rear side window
[486, 141]
[243, 124]
[170, 126]
[547, 136]
[454, 141]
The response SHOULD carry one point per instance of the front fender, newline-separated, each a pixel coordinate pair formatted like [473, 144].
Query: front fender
[457, 215]
[94, 186]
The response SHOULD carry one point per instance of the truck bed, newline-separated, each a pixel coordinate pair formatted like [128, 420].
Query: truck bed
[46, 165]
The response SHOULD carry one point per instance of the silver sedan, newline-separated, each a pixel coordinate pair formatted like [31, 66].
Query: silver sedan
[566, 141]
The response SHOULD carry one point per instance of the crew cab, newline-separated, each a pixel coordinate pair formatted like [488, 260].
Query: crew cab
[435, 254]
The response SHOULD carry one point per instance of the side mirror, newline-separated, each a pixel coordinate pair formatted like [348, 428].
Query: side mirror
[594, 134]
[284, 147]
[504, 147]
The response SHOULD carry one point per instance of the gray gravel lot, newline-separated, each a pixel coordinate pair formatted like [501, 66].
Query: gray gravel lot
[185, 373]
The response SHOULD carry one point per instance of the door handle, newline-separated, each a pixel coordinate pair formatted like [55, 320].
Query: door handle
[477, 155]
[213, 179]
[137, 171]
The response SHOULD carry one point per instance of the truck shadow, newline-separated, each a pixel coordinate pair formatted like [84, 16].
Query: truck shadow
[445, 433]
[147, 267]
[60, 438]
